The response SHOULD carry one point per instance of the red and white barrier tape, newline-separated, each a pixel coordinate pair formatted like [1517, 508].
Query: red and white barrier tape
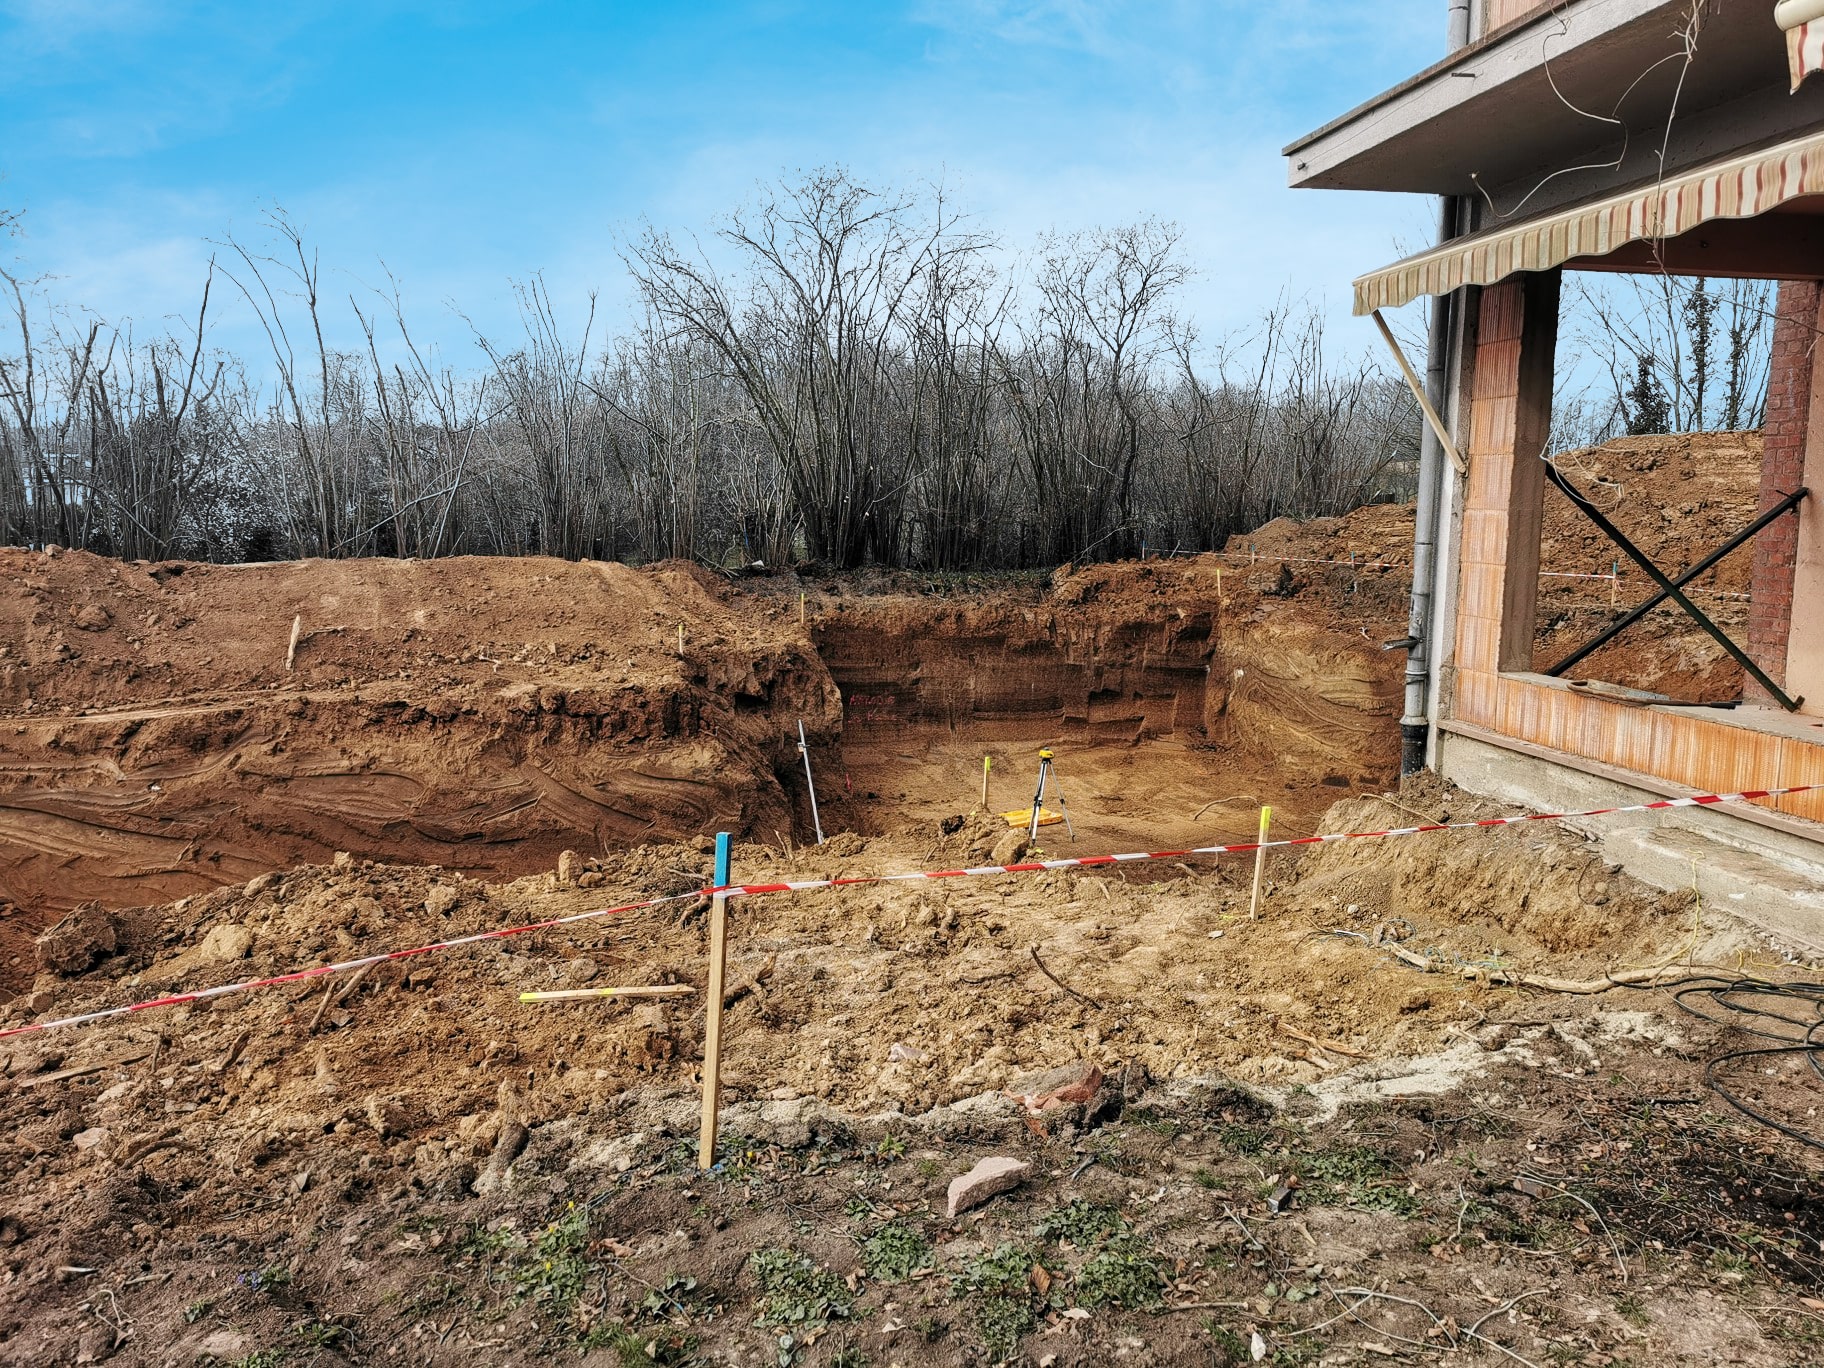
[324, 970]
[1248, 847]
[856, 881]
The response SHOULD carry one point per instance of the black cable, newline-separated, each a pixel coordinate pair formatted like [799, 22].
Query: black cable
[1726, 996]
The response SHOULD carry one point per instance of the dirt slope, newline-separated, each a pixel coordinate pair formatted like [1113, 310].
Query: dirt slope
[1676, 497]
[474, 713]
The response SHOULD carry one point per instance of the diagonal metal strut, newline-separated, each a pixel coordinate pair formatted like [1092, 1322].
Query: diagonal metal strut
[1786, 504]
[1667, 588]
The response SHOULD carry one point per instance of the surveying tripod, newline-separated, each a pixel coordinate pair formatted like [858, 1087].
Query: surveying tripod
[1038, 799]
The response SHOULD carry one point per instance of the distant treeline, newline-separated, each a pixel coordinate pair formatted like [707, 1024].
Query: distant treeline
[860, 378]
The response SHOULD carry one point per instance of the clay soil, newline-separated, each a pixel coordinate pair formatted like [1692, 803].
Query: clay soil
[1294, 1147]
[479, 714]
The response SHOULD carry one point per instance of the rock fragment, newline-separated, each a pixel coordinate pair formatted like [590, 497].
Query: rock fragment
[86, 935]
[226, 943]
[1010, 849]
[989, 1178]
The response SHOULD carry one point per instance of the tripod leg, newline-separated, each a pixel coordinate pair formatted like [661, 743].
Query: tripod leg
[1038, 799]
[1063, 807]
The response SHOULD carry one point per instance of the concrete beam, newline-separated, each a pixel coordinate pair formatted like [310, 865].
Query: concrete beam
[1764, 877]
[1489, 119]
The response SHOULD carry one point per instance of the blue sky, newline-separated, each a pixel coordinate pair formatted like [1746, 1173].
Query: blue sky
[465, 144]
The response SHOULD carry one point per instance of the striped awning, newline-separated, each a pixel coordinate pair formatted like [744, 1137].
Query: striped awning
[1803, 21]
[1805, 50]
[1742, 187]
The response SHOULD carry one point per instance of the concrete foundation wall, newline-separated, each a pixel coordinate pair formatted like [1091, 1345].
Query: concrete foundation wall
[1768, 878]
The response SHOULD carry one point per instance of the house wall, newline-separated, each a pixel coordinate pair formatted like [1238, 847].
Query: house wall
[1789, 394]
[1506, 11]
[1492, 694]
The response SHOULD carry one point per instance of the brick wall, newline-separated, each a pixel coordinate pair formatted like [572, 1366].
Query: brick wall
[1506, 11]
[1782, 470]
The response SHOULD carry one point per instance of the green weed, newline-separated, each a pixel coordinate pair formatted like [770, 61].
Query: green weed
[1080, 1222]
[1001, 1284]
[1246, 1140]
[795, 1291]
[321, 1334]
[895, 1252]
[1355, 1175]
[556, 1268]
[1125, 1272]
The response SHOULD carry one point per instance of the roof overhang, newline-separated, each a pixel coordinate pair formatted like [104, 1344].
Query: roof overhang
[1753, 214]
[1570, 103]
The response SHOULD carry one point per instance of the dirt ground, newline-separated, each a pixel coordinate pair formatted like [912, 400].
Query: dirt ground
[1329, 1134]
[1677, 499]
[416, 1167]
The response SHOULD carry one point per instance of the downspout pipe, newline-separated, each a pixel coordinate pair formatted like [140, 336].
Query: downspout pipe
[1415, 724]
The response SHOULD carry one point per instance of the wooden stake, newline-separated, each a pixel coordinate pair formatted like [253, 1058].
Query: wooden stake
[291, 651]
[680, 638]
[80, 1070]
[987, 764]
[1260, 861]
[801, 616]
[712, 1016]
[664, 990]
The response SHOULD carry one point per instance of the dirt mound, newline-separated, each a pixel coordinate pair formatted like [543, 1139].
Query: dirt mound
[1677, 498]
[475, 713]
[1169, 974]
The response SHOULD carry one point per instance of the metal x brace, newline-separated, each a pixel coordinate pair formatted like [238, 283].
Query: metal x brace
[1670, 589]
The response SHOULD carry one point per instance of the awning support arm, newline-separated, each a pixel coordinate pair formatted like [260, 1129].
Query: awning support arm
[1670, 590]
[1418, 392]
[1635, 614]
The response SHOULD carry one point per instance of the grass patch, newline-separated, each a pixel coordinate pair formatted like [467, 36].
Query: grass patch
[1355, 1175]
[556, 1268]
[1125, 1273]
[1000, 1284]
[1245, 1140]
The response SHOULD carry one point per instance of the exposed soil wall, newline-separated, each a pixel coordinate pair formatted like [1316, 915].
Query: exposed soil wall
[1165, 685]
[478, 714]
[484, 715]
[1677, 498]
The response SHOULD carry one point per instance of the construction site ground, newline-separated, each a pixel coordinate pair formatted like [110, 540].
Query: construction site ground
[1334, 1132]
